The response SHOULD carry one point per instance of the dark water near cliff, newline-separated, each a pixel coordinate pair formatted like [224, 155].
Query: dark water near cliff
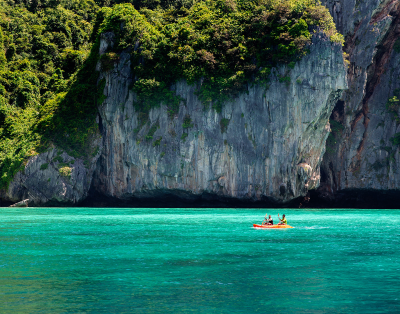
[85, 260]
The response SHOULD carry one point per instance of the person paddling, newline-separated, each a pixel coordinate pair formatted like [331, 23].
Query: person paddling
[268, 221]
[265, 221]
[283, 220]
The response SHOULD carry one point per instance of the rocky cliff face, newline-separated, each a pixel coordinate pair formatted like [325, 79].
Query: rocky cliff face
[52, 178]
[266, 144]
[362, 152]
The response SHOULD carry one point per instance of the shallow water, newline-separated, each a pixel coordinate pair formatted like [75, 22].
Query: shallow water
[102, 260]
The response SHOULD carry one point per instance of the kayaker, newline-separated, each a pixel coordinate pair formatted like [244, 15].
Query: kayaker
[268, 221]
[283, 220]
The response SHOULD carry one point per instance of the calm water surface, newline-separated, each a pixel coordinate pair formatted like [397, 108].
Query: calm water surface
[102, 260]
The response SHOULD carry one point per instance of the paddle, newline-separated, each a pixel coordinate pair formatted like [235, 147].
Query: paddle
[265, 219]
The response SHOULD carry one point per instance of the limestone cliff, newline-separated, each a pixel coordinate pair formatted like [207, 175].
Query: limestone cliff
[52, 178]
[267, 143]
[361, 152]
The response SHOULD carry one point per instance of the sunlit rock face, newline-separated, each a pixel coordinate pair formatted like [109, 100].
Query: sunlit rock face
[363, 154]
[266, 144]
[53, 178]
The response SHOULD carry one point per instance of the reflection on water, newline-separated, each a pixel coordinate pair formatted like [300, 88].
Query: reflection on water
[203, 261]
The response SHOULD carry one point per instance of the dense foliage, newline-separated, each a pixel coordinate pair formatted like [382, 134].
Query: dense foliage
[42, 48]
[226, 43]
[49, 89]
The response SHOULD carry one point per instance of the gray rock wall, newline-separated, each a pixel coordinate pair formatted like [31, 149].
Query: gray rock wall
[43, 183]
[273, 143]
[271, 146]
[362, 154]
[266, 144]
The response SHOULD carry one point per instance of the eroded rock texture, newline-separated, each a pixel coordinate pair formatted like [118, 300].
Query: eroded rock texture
[361, 153]
[52, 178]
[264, 144]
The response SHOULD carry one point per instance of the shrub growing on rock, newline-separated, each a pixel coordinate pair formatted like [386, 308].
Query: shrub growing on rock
[65, 171]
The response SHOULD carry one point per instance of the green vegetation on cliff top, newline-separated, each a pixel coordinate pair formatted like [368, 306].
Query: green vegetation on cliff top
[227, 44]
[49, 89]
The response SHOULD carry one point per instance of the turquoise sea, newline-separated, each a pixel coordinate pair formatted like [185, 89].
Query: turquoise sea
[126, 260]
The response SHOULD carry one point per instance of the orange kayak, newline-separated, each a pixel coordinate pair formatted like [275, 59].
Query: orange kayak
[272, 226]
